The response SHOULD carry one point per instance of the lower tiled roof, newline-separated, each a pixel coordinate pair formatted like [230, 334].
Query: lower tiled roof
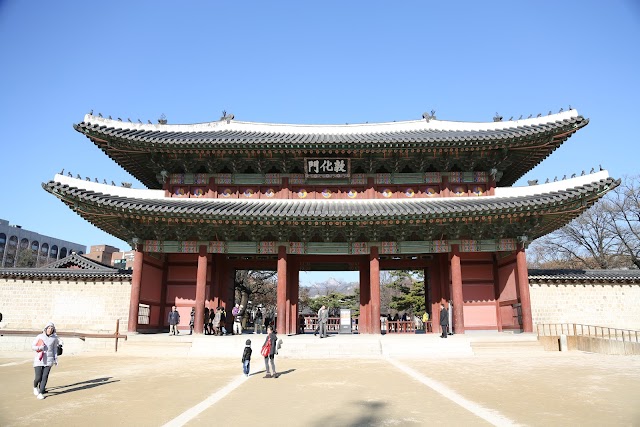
[329, 209]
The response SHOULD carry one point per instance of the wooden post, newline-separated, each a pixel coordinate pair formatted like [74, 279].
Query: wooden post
[201, 284]
[117, 332]
[136, 280]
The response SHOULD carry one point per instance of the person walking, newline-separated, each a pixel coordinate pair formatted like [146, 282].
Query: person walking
[272, 339]
[246, 358]
[217, 319]
[258, 320]
[425, 322]
[46, 347]
[237, 312]
[323, 317]
[174, 321]
[444, 320]
[192, 320]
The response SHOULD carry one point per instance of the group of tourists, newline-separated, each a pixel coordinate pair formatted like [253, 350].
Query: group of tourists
[215, 320]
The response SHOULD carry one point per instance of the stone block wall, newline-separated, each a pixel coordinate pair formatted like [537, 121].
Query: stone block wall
[611, 305]
[91, 307]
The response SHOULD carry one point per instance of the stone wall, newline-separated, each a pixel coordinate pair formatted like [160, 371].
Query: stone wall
[612, 305]
[81, 306]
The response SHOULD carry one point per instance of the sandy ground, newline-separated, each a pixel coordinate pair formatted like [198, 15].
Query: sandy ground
[114, 390]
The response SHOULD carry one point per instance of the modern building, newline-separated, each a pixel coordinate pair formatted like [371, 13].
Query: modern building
[110, 255]
[14, 239]
[424, 194]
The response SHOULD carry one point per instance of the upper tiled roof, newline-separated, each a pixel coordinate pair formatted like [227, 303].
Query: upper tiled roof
[569, 276]
[131, 144]
[233, 133]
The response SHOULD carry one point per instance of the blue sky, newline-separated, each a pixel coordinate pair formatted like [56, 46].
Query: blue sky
[302, 62]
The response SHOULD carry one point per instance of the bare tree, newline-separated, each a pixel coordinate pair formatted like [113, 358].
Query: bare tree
[259, 286]
[624, 217]
[605, 236]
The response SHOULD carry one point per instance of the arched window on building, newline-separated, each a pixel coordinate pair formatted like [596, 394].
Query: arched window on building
[12, 250]
[53, 253]
[43, 259]
[3, 243]
[63, 252]
[35, 245]
[26, 255]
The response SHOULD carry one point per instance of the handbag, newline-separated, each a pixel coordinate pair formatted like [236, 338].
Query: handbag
[59, 352]
[266, 348]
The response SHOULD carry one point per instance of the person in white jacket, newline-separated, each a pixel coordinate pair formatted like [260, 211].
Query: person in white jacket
[46, 347]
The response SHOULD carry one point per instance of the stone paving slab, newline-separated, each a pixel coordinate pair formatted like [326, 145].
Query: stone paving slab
[554, 389]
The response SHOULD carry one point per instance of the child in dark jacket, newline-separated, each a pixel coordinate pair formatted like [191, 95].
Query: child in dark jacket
[246, 358]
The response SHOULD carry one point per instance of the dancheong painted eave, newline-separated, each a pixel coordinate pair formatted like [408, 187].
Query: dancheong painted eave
[129, 212]
[532, 140]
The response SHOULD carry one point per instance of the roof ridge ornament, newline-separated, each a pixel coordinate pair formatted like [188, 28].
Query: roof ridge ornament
[428, 117]
[497, 118]
[227, 117]
[163, 119]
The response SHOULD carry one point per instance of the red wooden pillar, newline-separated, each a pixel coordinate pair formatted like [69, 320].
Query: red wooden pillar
[365, 298]
[136, 281]
[293, 294]
[282, 290]
[523, 289]
[456, 290]
[436, 297]
[201, 284]
[374, 268]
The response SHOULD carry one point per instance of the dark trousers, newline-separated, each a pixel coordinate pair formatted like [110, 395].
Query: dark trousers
[444, 330]
[42, 375]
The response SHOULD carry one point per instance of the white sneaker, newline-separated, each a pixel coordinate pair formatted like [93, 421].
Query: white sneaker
[40, 396]
[36, 391]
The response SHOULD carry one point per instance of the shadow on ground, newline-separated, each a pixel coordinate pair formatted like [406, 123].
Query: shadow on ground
[84, 385]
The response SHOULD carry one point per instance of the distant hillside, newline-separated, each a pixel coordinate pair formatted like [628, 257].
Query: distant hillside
[331, 285]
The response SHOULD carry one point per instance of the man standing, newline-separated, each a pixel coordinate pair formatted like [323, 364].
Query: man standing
[444, 320]
[237, 319]
[323, 317]
[174, 321]
[257, 320]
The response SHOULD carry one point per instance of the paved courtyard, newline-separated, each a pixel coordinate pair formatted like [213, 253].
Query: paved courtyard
[549, 389]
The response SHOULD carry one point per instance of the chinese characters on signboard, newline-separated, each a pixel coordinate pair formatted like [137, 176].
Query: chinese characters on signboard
[326, 168]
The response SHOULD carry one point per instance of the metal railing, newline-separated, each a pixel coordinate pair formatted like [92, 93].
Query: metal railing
[577, 329]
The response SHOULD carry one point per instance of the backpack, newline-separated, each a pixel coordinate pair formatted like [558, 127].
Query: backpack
[266, 348]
